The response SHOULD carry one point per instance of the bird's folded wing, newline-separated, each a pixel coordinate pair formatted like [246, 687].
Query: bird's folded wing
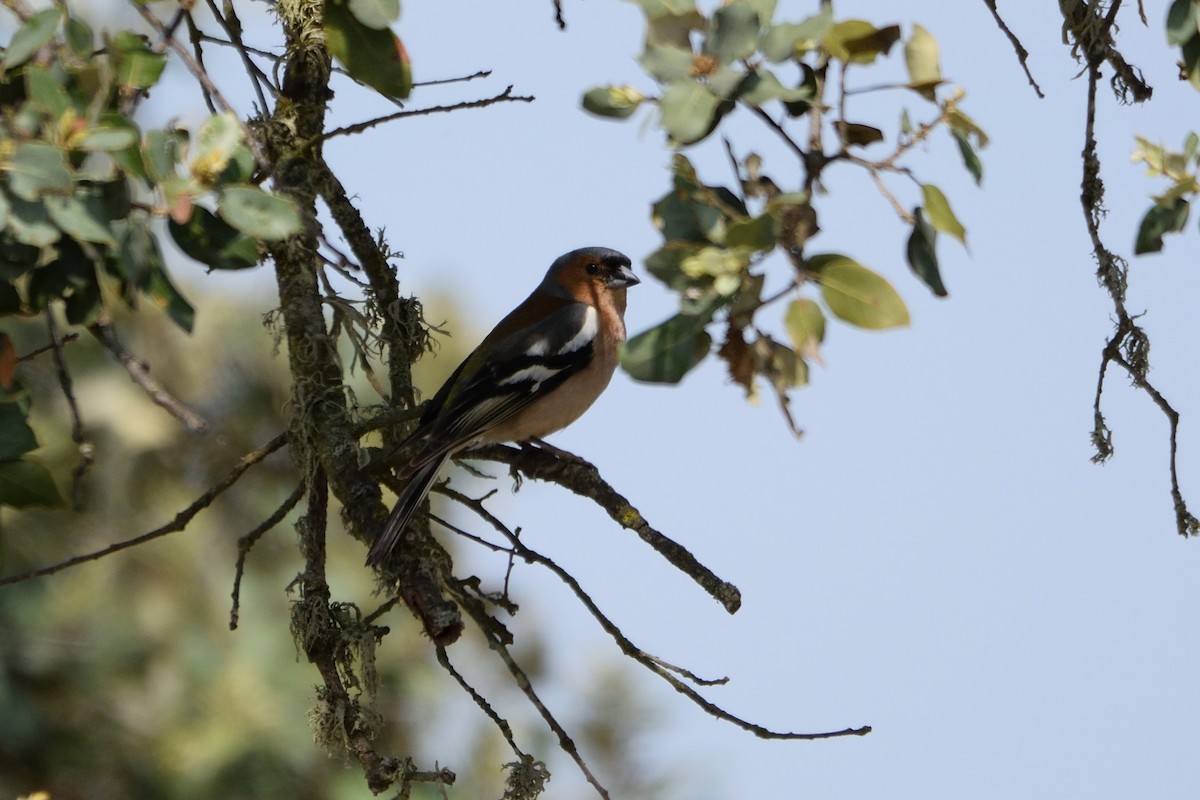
[518, 370]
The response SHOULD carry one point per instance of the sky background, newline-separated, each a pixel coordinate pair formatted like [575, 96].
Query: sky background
[937, 557]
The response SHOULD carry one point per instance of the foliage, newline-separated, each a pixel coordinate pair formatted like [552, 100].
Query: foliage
[718, 241]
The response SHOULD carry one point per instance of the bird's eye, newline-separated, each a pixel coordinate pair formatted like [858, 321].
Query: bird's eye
[593, 268]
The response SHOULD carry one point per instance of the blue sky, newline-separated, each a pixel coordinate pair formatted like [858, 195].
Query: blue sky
[937, 557]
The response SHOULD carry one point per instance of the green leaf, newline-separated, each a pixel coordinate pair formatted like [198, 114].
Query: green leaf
[82, 304]
[377, 14]
[138, 258]
[732, 32]
[112, 134]
[717, 262]
[780, 365]
[969, 156]
[657, 8]
[31, 37]
[921, 58]
[922, 254]
[805, 323]
[80, 38]
[615, 102]
[779, 42]
[673, 29]
[81, 220]
[855, 133]
[1182, 20]
[211, 241]
[16, 258]
[811, 31]
[374, 57]
[787, 40]
[10, 299]
[761, 86]
[1191, 60]
[666, 264]
[255, 213]
[666, 63]
[213, 146]
[16, 437]
[756, 234]
[681, 218]
[764, 8]
[164, 294]
[31, 225]
[688, 111]
[1157, 222]
[45, 90]
[36, 169]
[865, 48]
[161, 152]
[725, 82]
[940, 214]
[239, 169]
[138, 67]
[27, 483]
[664, 354]
[857, 41]
[856, 294]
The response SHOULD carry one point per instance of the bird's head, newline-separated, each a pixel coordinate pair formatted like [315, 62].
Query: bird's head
[589, 273]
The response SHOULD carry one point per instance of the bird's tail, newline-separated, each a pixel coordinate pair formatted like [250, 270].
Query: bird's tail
[406, 506]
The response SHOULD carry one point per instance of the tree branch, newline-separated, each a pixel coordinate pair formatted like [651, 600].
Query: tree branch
[504, 97]
[247, 542]
[585, 480]
[177, 524]
[140, 374]
[662, 669]
[87, 450]
[1129, 346]
[1018, 48]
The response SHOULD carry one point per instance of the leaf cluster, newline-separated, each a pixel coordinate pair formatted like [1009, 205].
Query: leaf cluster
[82, 188]
[717, 239]
[1171, 208]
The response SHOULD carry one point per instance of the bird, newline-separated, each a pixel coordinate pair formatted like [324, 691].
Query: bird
[539, 370]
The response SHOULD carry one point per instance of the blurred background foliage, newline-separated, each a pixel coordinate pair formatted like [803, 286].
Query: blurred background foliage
[121, 678]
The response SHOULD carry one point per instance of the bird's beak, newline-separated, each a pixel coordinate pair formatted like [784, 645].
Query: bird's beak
[623, 277]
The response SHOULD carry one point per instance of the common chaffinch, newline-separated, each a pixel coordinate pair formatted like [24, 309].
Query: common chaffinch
[538, 370]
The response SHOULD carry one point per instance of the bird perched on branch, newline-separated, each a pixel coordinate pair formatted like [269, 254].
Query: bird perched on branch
[538, 370]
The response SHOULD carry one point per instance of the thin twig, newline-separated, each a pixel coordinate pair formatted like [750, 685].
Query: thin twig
[475, 609]
[179, 523]
[500, 722]
[585, 480]
[482, 73]
[781, 132]
[656, 665]
[37, 351]
[20, 9]
[1112, 272]
[1018, 48]
[232, 25]
[267, 54]
[87, 450]
[198, 54]
[206, 84]
[247, 542]
[140, 373]
[504, 97]
[1185, 522]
